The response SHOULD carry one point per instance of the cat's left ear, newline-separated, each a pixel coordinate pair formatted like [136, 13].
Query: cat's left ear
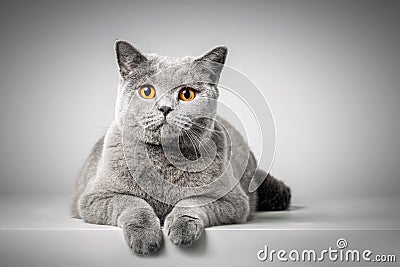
[128, 57]
[214, 59]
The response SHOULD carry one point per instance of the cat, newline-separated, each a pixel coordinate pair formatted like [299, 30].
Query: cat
[133, 180]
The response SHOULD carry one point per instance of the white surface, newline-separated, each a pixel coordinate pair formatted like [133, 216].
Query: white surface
[37, 231]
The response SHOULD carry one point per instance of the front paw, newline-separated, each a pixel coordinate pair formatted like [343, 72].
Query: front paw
[143, 240]
[183, 229]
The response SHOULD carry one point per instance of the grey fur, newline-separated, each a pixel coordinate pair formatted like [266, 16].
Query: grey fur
[107, 189]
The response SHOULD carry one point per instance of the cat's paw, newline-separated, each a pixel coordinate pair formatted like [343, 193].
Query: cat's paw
[183, 229]
[143, 240]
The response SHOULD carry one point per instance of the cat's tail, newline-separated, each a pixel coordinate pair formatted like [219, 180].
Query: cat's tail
[272, 194]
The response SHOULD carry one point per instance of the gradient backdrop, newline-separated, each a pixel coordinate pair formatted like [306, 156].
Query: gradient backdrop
[329, 70]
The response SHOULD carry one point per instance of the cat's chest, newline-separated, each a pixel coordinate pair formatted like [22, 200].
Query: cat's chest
[167, 167]
[185, 171]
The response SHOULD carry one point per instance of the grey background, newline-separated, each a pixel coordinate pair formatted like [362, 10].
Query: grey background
[329, 70]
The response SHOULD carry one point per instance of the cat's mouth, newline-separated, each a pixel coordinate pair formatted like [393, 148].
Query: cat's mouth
[171, 123]
[165, 128]
[160, 125]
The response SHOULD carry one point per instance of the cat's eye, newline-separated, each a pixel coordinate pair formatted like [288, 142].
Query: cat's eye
[147, 91]
[187, 94]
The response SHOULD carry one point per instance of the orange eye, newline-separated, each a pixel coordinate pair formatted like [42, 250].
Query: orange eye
[187, 94]
[147, 91]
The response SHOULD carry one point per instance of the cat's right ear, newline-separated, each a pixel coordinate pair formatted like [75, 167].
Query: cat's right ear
[128, 57]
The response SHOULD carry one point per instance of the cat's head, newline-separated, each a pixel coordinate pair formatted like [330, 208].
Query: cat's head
[164, 95]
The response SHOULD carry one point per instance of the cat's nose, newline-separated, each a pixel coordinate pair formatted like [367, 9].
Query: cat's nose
[165, 110]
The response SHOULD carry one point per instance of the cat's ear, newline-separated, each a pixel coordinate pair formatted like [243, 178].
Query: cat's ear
[128, 57]
[217, 55]
[214, 59]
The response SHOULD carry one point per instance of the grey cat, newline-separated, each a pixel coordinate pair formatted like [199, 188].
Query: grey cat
[166, 146]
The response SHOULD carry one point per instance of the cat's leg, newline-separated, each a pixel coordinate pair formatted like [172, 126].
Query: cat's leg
[141, 226]
[185, 224]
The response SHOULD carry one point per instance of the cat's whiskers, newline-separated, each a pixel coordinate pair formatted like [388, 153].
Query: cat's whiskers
[198, 140]
[193, 144]
[145, 121]
[185, 139]
[182, 118]
[150, 122]
[195, 140]
[206, 147]
[180, 124]
[192, 135]
[198, 125]
[212, 129]
[185, 126]
[145, 116]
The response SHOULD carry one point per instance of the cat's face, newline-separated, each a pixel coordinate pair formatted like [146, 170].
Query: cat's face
[159, 97]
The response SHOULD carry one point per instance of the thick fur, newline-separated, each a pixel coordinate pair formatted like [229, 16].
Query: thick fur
[107, 189]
